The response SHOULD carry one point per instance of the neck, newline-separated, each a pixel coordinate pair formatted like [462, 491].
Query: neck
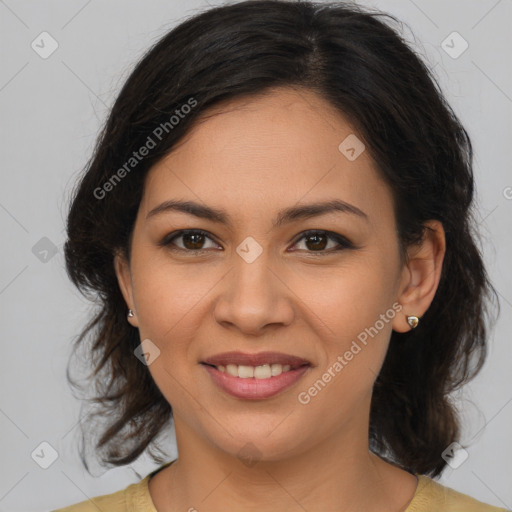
[339, 473]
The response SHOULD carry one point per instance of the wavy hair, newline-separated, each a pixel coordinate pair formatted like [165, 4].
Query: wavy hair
[355, 59]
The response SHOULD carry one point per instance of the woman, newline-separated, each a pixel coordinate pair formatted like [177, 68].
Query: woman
[277, 224]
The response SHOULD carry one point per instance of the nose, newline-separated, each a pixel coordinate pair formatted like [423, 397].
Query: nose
[254, 296]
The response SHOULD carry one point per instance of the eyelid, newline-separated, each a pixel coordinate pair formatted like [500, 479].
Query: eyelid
[342, 241]
[167, 240]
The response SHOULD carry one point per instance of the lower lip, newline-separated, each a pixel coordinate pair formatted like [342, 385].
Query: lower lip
[255, 389]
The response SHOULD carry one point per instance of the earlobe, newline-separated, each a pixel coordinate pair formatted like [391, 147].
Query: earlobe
[123, 274]
[422, 274]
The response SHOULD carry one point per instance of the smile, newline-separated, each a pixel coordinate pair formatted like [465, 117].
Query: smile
[255, 383]
[264, 371]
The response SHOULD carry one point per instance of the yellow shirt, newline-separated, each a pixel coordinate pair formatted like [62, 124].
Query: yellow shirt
[430, 496]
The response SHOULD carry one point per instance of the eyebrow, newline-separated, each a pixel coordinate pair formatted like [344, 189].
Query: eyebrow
[284, 216]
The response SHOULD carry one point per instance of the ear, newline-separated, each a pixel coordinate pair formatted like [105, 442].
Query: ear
[124, 278]
[421, 275]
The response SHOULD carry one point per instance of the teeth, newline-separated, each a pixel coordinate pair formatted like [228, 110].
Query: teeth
[264, 371]
[244, 372]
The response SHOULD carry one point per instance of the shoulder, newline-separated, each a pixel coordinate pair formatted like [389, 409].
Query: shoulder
[115, 502]
[431, 495]
[134, 497]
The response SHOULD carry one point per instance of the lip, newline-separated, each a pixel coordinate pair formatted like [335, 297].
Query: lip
[255, 389]
[242, 358]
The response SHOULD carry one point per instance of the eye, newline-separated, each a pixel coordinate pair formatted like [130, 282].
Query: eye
[317, 241]
[193, 240]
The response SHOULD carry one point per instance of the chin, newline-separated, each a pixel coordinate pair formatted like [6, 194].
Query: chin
[252, 445]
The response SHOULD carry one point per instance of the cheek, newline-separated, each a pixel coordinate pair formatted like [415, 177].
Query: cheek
[168, 294]
[350, 297]
[169, 299]
[356, 304]
[354, 349]
[172, 298]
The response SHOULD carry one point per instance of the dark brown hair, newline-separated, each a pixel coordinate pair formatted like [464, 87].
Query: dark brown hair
[353, 58]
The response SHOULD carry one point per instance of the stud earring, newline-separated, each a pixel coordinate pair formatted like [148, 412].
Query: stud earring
[130, 313]
[413, 321]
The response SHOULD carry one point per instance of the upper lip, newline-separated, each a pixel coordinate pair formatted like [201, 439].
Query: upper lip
[261, 358]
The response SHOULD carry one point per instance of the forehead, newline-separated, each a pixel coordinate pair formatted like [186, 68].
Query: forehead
[276, 149]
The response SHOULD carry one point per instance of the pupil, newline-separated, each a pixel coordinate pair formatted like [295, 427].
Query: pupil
[197, 244]
[316, 237]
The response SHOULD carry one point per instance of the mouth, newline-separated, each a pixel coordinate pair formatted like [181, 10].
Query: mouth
[264, 371]
[263, 365]
[255, 376]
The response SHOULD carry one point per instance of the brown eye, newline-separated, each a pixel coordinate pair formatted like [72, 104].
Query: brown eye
[317, 241]
[193, 240]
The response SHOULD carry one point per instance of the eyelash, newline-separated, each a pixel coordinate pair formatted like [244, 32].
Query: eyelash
[343, 243]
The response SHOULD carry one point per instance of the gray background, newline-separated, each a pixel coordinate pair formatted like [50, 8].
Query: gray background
[51, 110]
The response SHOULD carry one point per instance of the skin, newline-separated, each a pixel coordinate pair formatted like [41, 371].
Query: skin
[260, 155]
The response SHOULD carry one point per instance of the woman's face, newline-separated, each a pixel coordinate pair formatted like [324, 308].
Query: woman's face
[251, 284]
